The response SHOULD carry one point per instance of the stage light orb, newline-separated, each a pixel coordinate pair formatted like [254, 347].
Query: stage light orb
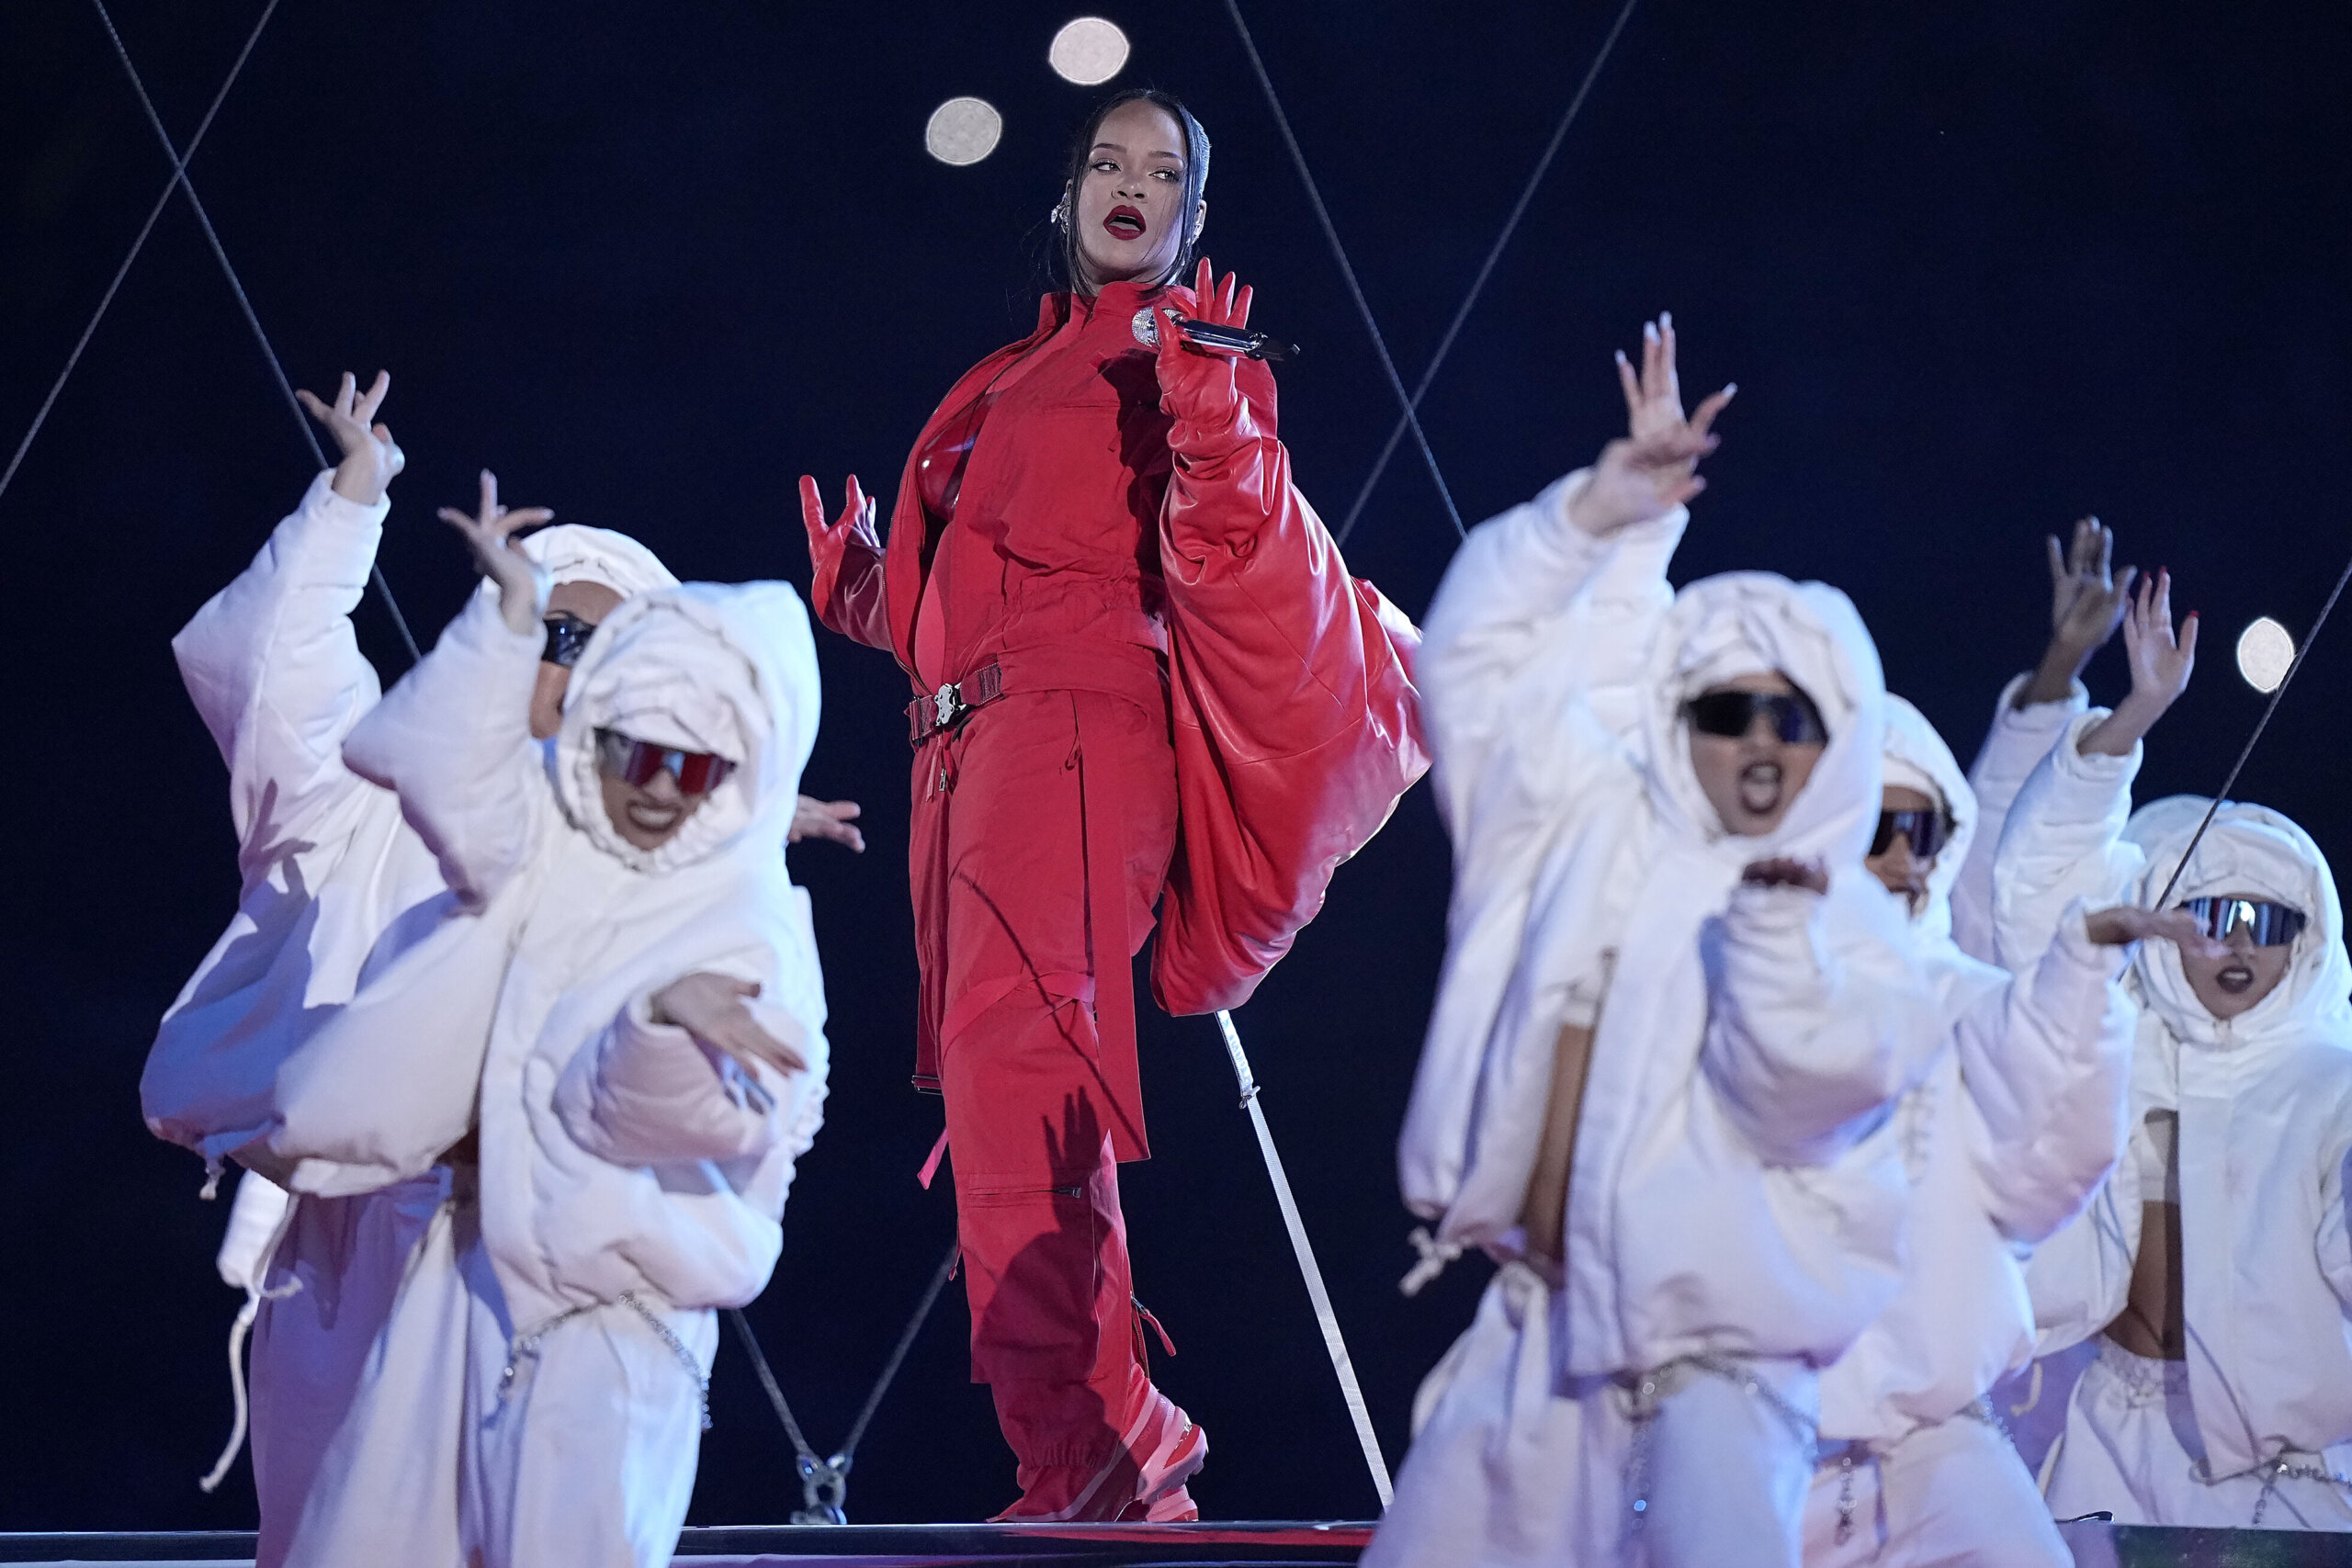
[2265, 652]
[962, 131]
[1088, 50]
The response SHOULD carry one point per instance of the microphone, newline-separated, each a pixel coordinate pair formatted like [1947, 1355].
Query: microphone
[1233, 340]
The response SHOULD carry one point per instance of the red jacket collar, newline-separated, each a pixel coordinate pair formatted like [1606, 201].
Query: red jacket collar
[1117, 301]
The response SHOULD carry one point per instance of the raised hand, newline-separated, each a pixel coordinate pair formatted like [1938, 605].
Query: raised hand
[834, 819]
[1654, 467]
[2128, 924]
[711, 1008]
[1197, 380]
[2088, 601]
[491, 535]
[2161, 662]
[372, 459]
[856, 521]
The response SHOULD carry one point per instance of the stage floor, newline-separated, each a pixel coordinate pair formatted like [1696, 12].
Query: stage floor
[1103, 1546]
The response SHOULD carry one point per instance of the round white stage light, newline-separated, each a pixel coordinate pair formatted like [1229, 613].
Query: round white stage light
[2265, 652]
[1088, 50]
[962, 131]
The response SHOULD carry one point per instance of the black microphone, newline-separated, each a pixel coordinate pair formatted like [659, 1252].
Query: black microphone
[1235, 340]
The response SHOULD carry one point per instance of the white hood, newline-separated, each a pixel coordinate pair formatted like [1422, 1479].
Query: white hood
[2254, 850]
[568, 552]
[709, 669]
[1917, 758]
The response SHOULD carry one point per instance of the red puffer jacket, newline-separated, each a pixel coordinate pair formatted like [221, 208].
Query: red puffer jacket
[1296, 726]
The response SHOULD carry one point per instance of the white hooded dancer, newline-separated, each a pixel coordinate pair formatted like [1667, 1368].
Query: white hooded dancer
[633, 1174]
[2218, 1248]
[348, 1296]
[1641, 1384]
[2004, 1140]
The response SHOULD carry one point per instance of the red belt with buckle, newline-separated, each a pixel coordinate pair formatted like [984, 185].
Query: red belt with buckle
[949, 706]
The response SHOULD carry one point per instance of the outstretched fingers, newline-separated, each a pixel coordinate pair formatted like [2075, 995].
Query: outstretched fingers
[1703, 422]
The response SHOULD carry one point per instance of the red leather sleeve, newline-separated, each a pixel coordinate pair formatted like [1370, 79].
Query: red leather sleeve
[847, 585]
[1296, 724]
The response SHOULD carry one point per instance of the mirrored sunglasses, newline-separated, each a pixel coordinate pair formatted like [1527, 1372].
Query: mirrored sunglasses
[1732, 714]
[2270, 924]
[1927, 830]
[568, 637]
[635, 763]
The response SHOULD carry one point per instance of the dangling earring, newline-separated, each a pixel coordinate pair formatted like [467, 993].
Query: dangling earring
[1060, 216]
[1200, 221]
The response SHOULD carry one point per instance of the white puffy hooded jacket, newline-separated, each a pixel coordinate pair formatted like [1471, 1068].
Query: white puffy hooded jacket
[2004, 1140]
[2264, 1104]
[329, 874]
[616, 1155]
[1728, 1195]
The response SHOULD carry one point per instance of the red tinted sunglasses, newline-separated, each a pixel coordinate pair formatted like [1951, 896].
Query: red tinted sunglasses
[635, 763]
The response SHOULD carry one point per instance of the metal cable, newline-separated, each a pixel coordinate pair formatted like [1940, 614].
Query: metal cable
[1339, 252]
[179, 172]
[1486, 269]
[2260, 725]
[823, 1481]
[1335, 1344]
[236, 285]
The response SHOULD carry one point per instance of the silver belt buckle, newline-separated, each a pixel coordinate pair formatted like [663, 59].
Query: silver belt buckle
[945, 702]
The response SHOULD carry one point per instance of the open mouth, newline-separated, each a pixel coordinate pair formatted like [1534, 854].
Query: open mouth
[1760, 787]
[1124, 222]
[654, 817]
[2235, 978]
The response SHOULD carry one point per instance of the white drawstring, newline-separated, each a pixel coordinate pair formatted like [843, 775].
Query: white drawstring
[1435, 1256]
[254, 1295]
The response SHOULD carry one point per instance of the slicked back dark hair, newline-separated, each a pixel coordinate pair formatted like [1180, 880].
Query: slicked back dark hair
[1196, 179]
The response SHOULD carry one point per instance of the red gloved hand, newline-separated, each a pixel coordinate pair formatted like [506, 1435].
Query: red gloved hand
[856, 523]
[1196, 383]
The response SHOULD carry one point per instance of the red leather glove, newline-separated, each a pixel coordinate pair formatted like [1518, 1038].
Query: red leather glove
[1196, 384]
[846, 587]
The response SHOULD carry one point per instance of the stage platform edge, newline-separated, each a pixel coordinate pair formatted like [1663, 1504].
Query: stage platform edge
[1233, 1545]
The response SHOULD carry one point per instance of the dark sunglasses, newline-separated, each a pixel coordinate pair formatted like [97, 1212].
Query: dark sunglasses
[1928, 831]
[2271, 925]
[1732, 714]
[635, 763]
[568, 637]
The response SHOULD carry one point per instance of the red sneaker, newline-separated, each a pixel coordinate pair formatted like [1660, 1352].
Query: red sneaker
[1161, 1450]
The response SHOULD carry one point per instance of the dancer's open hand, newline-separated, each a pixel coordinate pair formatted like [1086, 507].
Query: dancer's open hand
[834, 819]
[2128, 924]
[711, 1008]
[2162, 660]
[2087, 602]
[491, 535]
[1654, 467]
[372, 459]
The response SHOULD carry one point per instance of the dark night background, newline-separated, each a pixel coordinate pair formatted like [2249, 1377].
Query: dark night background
[1977, 270]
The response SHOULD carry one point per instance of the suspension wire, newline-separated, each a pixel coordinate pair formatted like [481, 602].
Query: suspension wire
[2252, 741]
[824, 1481]
[1339, 252]
[236, 285]
[179, 172]
[1486, 269]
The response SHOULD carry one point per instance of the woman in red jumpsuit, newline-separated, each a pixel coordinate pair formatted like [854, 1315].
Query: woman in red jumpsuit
[1140, 669]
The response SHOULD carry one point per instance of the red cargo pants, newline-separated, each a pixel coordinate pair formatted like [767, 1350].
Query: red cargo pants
[1011, 907]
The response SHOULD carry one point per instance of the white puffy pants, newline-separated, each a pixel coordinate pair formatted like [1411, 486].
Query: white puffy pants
[358, 1379]
[2131, 1448]
[1951, 1495]
[587, 1458]
[1514, 1463]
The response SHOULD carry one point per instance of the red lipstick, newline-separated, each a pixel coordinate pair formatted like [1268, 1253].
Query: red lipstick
[1124, 222]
